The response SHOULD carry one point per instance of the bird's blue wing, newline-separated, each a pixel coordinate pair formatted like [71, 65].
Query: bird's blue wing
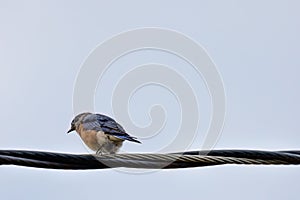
[90, 123]
[108, 125]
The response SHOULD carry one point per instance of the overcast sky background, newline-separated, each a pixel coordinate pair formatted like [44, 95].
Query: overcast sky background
[255, 45]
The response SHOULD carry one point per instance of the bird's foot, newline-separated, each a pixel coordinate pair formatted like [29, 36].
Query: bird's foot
[99, 152]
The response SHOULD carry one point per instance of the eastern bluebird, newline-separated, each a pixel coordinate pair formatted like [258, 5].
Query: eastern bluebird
[100, 133]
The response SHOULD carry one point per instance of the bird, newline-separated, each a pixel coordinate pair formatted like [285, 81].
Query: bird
[100, 133]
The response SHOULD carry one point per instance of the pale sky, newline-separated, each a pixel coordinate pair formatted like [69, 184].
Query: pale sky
[254, 44]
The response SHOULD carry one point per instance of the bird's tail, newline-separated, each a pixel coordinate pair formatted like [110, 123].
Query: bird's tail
[133, 139]
[125, 136]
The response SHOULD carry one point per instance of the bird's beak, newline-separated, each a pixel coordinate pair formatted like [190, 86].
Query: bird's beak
[71, 129]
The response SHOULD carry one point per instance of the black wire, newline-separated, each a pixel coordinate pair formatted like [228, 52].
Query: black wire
[54, 160]
[293, 157]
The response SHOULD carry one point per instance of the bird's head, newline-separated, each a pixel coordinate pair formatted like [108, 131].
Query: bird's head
[77, 121]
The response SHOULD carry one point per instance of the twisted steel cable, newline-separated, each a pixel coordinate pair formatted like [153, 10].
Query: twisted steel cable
[51, 160]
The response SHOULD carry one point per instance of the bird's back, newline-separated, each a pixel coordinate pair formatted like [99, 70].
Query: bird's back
[109, 126]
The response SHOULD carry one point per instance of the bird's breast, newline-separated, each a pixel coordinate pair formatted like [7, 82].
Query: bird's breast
[90, 138]
[98, 140]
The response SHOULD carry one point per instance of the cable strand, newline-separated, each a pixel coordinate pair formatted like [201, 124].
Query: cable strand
[54, 160]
